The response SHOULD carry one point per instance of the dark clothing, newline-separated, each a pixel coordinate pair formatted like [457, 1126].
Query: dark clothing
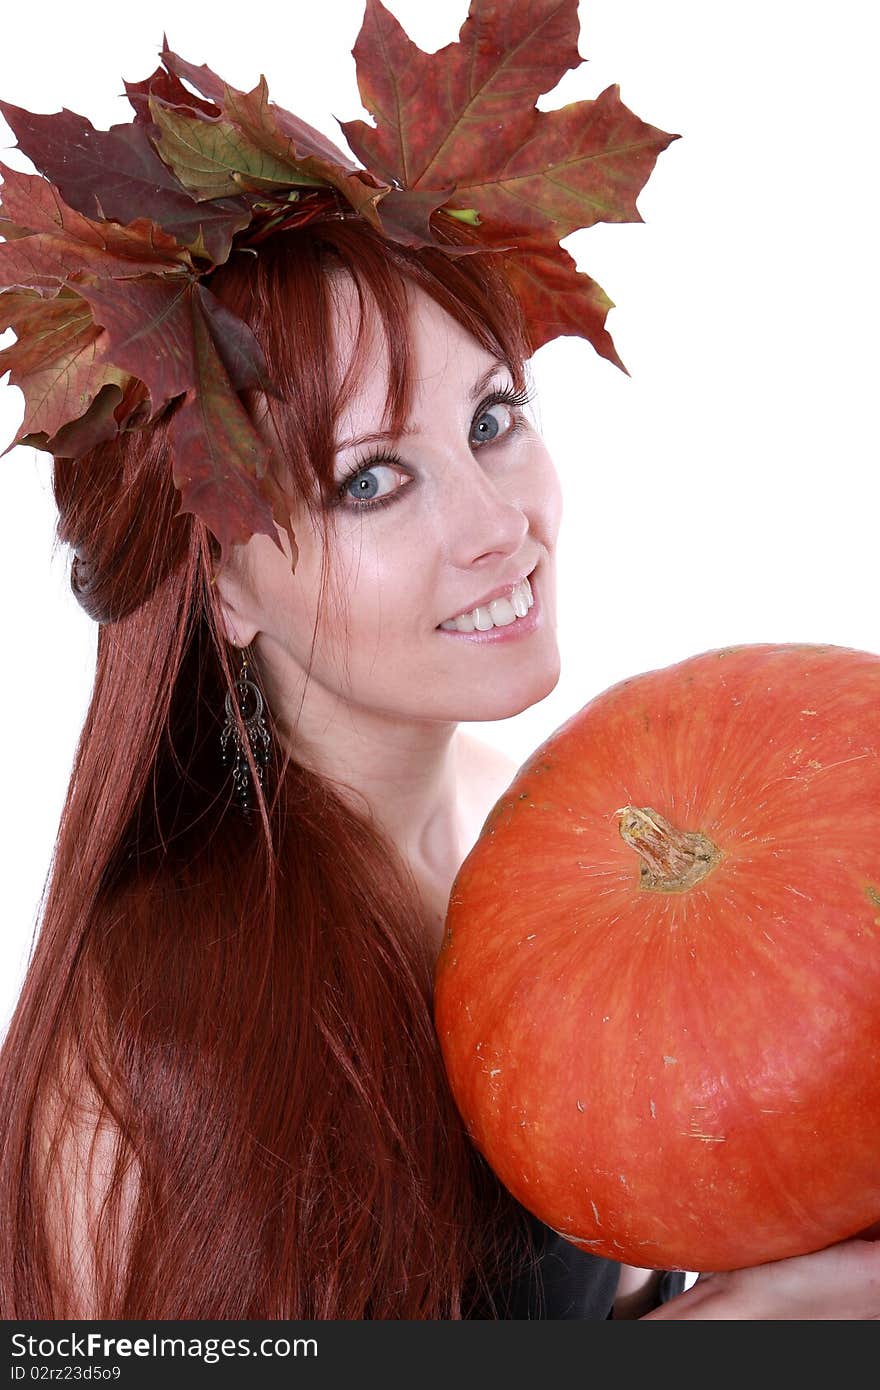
[563, 1281]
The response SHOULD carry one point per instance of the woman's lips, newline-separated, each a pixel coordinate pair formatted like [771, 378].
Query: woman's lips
[511, 632]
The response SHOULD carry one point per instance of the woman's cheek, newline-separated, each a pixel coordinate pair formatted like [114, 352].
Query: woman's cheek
[549, 502]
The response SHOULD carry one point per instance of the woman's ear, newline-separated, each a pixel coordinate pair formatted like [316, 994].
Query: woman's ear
[234, 594]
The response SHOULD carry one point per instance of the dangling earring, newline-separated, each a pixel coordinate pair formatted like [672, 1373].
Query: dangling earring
[257, 733]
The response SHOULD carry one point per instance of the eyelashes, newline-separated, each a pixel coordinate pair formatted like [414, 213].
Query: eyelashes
[516, 399]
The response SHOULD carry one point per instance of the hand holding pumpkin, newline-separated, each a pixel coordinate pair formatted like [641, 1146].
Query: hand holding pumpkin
[839, 1283]
[658, 996]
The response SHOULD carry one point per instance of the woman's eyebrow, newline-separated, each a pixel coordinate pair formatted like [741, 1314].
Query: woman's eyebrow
[379, 436]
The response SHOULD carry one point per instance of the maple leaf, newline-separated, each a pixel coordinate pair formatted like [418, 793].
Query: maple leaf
[213, 157]
[282, 136]
[289, 143]
[57, 361]
[167, 88]
[151, 322]
[100, 423]
[55, 243]
[113, 325]
[562, 299]
[221, 465]
[455, 103]
[582, 164]
[35, 206]
[465, 116]
[116, 174]
[181, 341]
[406, 217]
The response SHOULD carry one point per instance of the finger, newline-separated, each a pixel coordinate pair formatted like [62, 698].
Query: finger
[869, 1233]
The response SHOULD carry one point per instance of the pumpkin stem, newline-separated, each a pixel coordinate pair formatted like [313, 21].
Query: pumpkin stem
[672, 860]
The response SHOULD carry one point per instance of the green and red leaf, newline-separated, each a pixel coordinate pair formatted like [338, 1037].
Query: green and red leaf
[290, 136]
[215, 157]
[253, 125]
[283, 137]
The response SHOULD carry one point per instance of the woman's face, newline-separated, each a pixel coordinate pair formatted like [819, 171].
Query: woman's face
[459, 518]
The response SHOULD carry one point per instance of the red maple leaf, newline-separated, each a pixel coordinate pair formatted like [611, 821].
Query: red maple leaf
[465, 115]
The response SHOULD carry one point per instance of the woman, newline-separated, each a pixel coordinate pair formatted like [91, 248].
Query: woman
[221, 1089]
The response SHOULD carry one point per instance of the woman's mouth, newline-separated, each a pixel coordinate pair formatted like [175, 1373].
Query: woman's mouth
[515, 615]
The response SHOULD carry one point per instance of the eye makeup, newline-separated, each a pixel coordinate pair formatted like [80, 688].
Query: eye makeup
[384, 455]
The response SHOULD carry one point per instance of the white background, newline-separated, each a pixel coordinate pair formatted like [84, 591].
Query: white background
[725, 492]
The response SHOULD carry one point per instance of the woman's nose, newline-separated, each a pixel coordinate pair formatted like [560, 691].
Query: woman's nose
[480, 512]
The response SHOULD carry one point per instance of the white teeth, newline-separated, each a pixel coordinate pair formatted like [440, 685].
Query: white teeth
[522, 600]
[463, 623]
[501, 612]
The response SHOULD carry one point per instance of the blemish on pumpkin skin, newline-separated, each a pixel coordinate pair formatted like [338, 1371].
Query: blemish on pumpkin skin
[595, 1212]
[670, 1061]
[580, 1105]
[697, 1132]
[790, 888]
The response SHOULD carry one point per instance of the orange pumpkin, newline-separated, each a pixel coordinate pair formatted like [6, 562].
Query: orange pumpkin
[658, 995]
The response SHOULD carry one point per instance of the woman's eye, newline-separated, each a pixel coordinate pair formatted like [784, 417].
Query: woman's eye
[362, 486]
[495, 429]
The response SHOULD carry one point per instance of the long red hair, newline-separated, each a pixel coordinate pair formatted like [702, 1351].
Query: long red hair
[221, 1094]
